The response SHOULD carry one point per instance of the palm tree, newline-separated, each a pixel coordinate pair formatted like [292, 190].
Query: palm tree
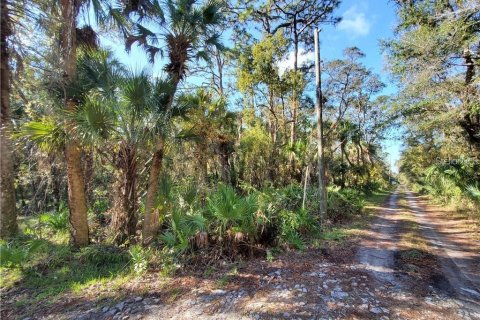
[212, 127]
[119, 124]
[116, 114]
[121, 114]
[188, 29]
[104, 12]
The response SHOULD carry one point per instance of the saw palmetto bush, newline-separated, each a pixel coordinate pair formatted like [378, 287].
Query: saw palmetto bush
[183, 228]
[232, 215]
[456, 182]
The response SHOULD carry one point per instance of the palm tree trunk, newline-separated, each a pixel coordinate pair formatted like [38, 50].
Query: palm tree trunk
[76, 193]
[151, 219]
[73, 152]
[124, 213]
[224, 148]
[88, 163]
[8, 210]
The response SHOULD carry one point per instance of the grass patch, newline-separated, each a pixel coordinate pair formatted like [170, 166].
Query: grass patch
[41, 261]
[335, 234]
[412, 254]
[359, 223]
[376, 198]
[223, 281]
[174, 294]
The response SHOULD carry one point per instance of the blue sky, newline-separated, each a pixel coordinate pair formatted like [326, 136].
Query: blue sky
[364, 24]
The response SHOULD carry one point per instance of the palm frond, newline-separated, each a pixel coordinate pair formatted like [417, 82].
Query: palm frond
[94, 119]
[48, 134]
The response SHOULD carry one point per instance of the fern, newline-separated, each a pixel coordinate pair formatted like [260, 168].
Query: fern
[56, 220]
[12, 256]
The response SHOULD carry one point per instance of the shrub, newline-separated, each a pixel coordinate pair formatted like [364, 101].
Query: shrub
[343, 204]
[56, 221]
[182, 227]
[139, 257]
[17, 254]
[266, 217]
[229, 211]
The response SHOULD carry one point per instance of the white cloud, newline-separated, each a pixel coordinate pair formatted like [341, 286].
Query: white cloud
[355, 22]
[303, 57]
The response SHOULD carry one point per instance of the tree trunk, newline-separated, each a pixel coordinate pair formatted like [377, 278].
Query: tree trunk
[293, 129]
[8, 216]
[8, 210]
[273, 128]
[202, 158]
[73, 153]
[224, 149]
[76, 194]
[151, 219]
[342, 164]
[322, 188]
[88, 170]
[124, 213]
[470, 122]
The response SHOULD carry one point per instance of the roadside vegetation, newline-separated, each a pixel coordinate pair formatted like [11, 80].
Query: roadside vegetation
[438, 104]
[260, 224]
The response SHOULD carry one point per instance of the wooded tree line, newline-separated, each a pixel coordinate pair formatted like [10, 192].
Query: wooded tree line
[435, 59]
[135, 154]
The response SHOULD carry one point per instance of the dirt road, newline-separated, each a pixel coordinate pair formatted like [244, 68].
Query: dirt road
[459, 260]
[424, 255]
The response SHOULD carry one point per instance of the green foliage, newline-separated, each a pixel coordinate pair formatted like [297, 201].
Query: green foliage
[182, 227]
[47, 133]
[232, 212]
[342, 204]
[284, 214]
[50, 266]
[269, 255]
[294, 225]
[169, 239]
[473, 192]
[100, 206]
[14, 255]
[100, 255]
[255, 149]
[58, 220]
[140, 258]
[271, 216]
[334, 234]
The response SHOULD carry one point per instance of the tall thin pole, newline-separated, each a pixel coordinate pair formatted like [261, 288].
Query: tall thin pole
[319, 109]
[305, 185]
[390, 169]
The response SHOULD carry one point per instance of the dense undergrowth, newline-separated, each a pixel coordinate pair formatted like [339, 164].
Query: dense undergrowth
[454, 183]
[227, 225]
